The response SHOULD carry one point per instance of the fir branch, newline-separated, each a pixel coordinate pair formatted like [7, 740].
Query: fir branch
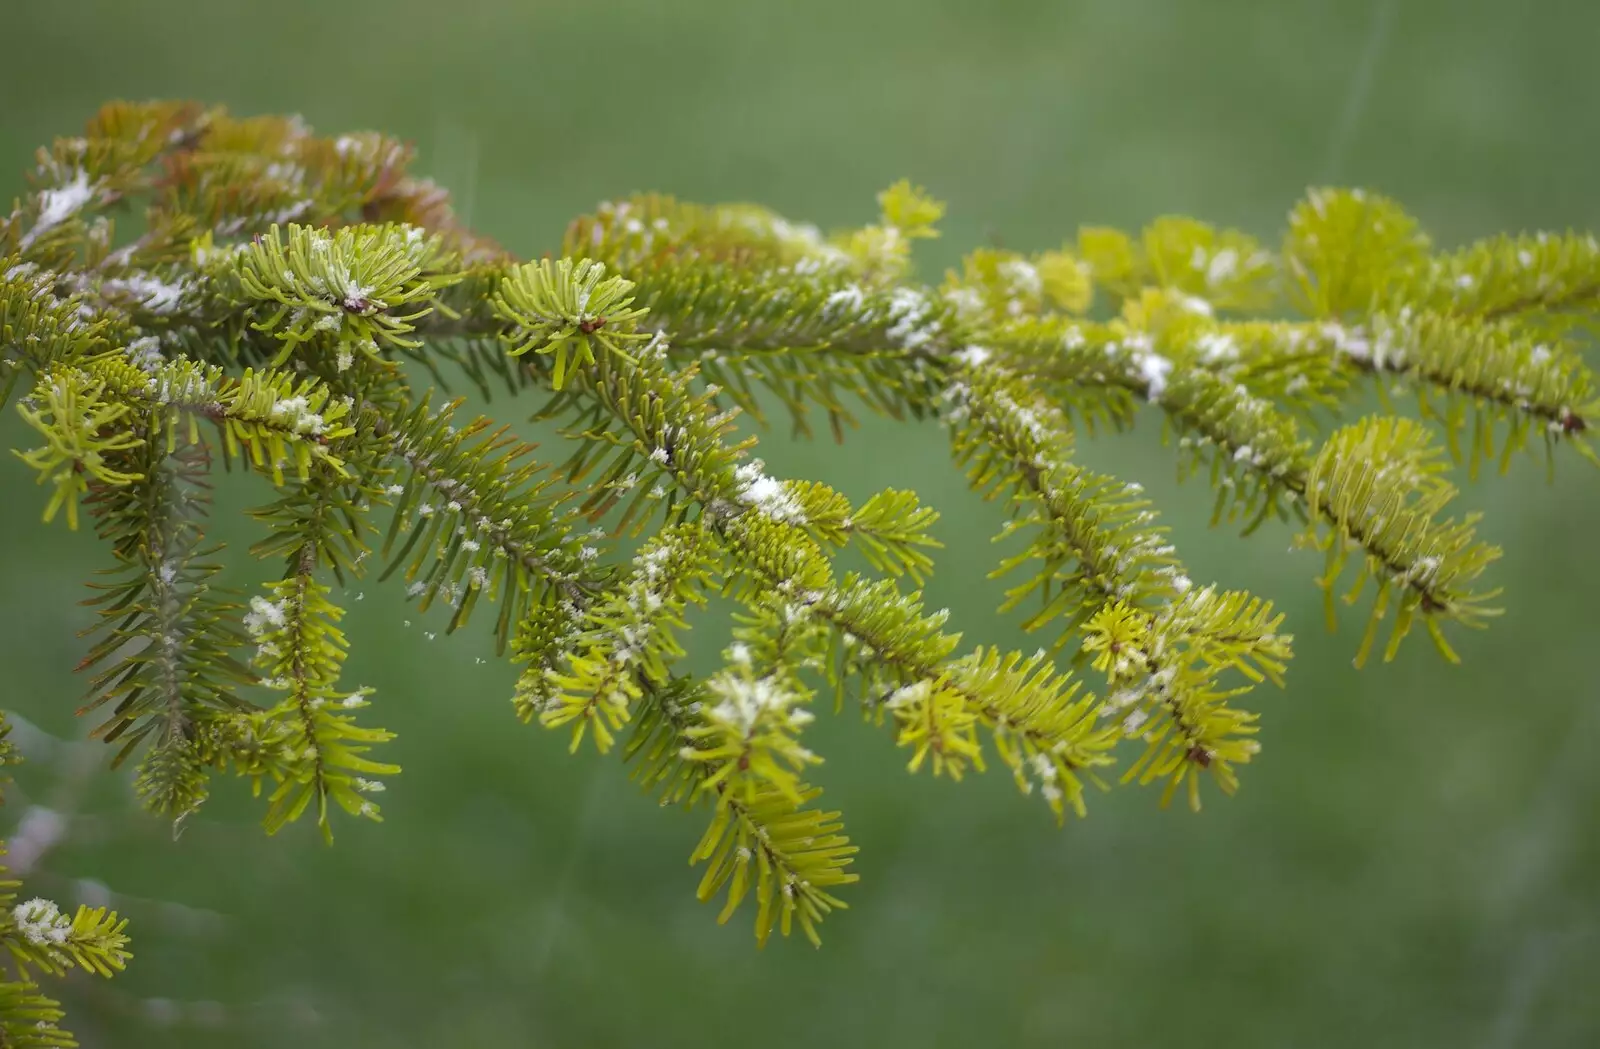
[812, 337]
[1380, 486]
[622, 643]
[1504, 380]
[1345, 248]
[168, 632]
[286, 288]
[789, 856]
[760, 521]
[495, 532]
[562, 307]
[358, 289]
[1103, 564]
[1540, 276]
[29, 1018]
[1261, 467]
[761, 838]
[306, 743]
[39, 329]
[41, 939]
[1181, 255]
[1094, 535]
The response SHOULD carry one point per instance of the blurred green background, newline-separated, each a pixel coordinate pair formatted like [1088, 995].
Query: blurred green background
[1413, 861]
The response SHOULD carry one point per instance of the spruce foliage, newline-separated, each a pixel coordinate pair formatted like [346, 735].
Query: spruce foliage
[282, 289]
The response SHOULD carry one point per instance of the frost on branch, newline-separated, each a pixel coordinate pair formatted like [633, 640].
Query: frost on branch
[289, 293]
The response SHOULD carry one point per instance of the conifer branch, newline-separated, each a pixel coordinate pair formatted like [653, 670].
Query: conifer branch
[306, 743]
[41, 940]
[1499, 378]
[494, 533]
[1261, 466]
[621, 644]
[761, 837]
[1104, 564]
[285, 289]
[1554, 277]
